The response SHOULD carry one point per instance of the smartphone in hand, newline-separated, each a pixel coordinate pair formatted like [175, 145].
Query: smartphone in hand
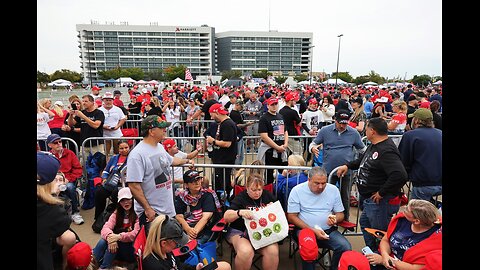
[367, 250]
[74, 106]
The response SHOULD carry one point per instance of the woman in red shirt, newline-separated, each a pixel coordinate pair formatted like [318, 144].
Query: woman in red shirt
[56, 123]
[397, 125]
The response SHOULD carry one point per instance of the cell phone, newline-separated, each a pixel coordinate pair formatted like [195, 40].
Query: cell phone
[210, 266]
[367, 250]
[74, 106]
[390, 262]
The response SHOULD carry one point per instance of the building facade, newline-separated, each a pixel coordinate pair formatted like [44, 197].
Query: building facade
[153, 47]
[278, 52]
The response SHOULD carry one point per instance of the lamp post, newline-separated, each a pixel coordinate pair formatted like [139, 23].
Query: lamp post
[338, 58]
[311, 65]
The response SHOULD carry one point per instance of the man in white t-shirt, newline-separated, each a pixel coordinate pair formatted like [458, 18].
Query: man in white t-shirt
[114, 120]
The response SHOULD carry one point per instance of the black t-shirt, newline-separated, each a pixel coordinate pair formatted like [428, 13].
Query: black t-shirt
[206, 107]
[135, 108]
[155, 262]
[193, 214]
[228, 132]
[237, 117]
[410, 110]
[243, 201]
[437, 120]
[274, 126]
[86, 131]
[291, 119]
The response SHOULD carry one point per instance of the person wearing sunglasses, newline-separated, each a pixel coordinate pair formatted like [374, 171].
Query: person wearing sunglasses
[165, 235]
[72, 169]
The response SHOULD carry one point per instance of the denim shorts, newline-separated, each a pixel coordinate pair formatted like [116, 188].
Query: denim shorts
[232, 232]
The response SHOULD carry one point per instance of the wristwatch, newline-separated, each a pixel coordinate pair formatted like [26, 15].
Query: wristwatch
[238, 212]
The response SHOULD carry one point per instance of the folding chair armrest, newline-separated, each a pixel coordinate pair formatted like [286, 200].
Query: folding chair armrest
[347, 225]
[219, 226]
[377, 233]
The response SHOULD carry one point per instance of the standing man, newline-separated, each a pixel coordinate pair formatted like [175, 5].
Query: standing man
[72, 169]
[237, 117]
[381, 176]
[91, 122]
[252, 111]
[339, 140]
[292, 120]
[421, 152]
[316, 205]
[147, 173]
[114, 120]
[224, 146]
[273, 148]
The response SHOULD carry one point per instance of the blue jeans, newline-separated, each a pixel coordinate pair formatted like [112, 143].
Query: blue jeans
[72, 195]
[125, 252]
[375, 216]
[240, 149]
[337, 242]
[425, 193]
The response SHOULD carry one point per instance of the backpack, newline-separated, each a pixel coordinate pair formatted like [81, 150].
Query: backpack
[94, 166]
[103, 217]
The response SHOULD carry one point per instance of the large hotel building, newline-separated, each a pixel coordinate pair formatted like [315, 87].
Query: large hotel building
[204, 52]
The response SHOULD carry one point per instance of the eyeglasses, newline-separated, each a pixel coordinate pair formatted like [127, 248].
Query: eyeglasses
[57, 142]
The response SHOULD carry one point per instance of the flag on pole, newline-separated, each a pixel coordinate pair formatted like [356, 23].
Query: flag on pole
[188, 75]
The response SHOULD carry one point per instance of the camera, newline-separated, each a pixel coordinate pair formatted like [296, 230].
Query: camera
[74, 106]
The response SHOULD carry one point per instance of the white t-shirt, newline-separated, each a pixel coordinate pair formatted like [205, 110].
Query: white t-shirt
[43, 130]
[311, 119]
[149, 166]
[112, 117]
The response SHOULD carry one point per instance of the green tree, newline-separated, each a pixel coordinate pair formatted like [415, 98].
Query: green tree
[156, 74]
[134, 73]
[345, 76]
[361, 79]
[263, 73]
[66, 75]
[375, 77]
[228, 74]
[300, 77]
[280, 79]
[422, 80]
[42, 77]
[172, 72]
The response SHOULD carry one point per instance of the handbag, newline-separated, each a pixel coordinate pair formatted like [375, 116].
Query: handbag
[113, 178]
[268, 226]
[103, 217]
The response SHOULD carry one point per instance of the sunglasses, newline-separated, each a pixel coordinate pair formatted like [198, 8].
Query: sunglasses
[57, 142]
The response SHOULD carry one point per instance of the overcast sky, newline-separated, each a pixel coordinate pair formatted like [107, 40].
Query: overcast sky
[393, 38]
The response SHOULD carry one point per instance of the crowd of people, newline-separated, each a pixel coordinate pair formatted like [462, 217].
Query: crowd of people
[150, 193]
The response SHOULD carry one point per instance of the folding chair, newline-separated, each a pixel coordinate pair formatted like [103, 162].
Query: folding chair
[257, 256]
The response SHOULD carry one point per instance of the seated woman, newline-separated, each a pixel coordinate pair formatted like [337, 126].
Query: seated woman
[241, 206]
[118, 233]
[101, 192]
[290, 178]
[197, 208]
[411, 235]
[165, 235]
[399, 119]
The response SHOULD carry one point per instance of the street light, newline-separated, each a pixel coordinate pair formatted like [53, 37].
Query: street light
[311, 64]
[338, 58]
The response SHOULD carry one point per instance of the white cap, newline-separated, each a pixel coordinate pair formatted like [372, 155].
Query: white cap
[124, 193]
[107, 95]
[59, 103]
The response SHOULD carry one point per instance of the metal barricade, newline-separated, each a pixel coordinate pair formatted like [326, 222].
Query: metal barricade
[395, 138]
[70, 144]
[330, 180]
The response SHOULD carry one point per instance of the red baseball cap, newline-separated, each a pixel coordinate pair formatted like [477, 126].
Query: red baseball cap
[168, 143]
[272, 100]
[307, 242]
[313, 101]
[79, 256]
[217, 108]
[353, 258]
[290, 96]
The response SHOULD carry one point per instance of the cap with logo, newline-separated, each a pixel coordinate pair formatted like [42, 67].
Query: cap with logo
[342, 116]
[153, 121]
[217, 108]
[191, 175]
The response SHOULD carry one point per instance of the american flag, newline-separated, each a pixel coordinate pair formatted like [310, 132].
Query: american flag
[188, 75]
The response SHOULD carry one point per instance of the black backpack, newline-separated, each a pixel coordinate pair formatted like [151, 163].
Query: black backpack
[103, 217]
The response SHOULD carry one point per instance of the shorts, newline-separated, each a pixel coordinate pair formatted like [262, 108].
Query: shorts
[231, 232]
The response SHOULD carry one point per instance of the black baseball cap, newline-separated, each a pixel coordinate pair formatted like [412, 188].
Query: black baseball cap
[171, 229]
[191, 175]
[342, 116]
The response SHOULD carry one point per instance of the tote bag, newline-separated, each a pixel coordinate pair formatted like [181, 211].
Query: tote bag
[268, 226]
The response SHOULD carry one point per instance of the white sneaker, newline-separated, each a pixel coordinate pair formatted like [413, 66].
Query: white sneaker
[77, 218]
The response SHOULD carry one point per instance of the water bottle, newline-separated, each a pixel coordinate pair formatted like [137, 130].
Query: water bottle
[209, 147]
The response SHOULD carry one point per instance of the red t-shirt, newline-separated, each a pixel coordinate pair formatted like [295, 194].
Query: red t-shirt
[57, 120]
